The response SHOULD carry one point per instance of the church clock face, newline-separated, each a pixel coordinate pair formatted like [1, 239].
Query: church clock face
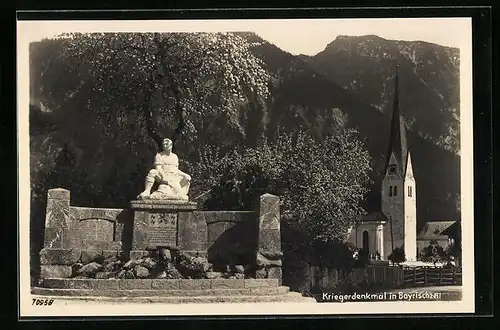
[392, 169]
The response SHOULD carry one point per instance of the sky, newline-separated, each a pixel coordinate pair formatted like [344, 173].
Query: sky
[296, 36]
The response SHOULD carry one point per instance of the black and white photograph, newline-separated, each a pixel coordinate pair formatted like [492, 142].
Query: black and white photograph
[245, 167]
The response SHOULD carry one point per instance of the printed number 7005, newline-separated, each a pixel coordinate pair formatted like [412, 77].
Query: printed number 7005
[42, 302]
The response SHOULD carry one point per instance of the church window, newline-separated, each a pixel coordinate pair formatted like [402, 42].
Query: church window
[390, 191]
[409, 191]
[395, 191]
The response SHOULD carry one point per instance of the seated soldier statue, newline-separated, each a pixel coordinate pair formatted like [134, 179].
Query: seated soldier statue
[173, 183]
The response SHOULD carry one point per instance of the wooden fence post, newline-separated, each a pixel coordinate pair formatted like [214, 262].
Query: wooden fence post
[425, 276]
[454, 273]
[414, 276]
[441, 276]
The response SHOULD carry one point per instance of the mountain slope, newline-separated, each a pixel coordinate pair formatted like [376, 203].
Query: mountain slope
[316, 96]
[429, 80]
[302, 95]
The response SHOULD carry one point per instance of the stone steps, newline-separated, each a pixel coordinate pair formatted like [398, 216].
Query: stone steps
[116, 291]
[158, 284]
[159, 293]
[289, 297]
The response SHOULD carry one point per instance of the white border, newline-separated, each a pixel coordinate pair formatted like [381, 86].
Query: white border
[29, 30]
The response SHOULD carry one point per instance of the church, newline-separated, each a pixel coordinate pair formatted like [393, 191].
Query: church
[395, 225]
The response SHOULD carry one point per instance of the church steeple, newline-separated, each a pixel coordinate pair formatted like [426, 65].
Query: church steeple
[397, 139]
[398, 188]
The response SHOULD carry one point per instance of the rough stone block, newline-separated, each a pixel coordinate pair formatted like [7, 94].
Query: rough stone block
[139, 236]
[90, 269]
[227, 284]
[110, 253]
[57, 213]
[84, 284]
[119, 231]
[261, 283]
[59, 256]
[58, 193]
[214, 275]
[271, 254]
[165, 284]
[269, 212]
[104, 275]
[268, 260]
[162, 205]
[270, 239]
[141, 272]
[195, 253]
[53, 238]
[55, 271]
[216, 229]
[197, 246]
[275, 272]
[192, 228]
[138, 254]
[106, 284]
[90, 255]
[54, 283]
[261, 273]
[135, 284]
[194, 284]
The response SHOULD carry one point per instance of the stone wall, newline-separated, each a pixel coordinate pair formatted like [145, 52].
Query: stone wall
[231, 237]
[326, 279]
[225, 237]
[73, 233]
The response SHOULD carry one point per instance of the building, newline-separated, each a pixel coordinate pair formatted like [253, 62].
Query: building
[441, 232]
[395, 225]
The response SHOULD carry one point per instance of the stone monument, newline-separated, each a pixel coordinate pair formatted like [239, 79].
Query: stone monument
[162, 249]
[173, 183]
[157, 212]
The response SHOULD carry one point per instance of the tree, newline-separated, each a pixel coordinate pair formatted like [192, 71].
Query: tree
[177, 79]
[320, 183]
[108, 96]
[397, 256]
[433, 253]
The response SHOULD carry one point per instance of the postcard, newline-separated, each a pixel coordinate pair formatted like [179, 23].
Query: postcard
[245, 167]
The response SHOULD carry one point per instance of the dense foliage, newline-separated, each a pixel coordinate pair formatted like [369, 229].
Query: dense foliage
[320, 183]
[137, 82]
[434, 253]
[397, 256]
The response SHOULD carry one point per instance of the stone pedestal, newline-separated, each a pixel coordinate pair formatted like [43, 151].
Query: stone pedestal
[164, 223]
[57, 255]
[269, 252]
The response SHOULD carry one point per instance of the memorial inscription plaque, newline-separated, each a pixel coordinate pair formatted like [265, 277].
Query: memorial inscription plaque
[95, 230]
[162, 229]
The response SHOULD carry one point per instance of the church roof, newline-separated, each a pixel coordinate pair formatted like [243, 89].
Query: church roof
[435, 229]
[397, 139]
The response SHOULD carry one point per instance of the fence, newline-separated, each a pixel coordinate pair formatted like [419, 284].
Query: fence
[430, 276]
[314, 278]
